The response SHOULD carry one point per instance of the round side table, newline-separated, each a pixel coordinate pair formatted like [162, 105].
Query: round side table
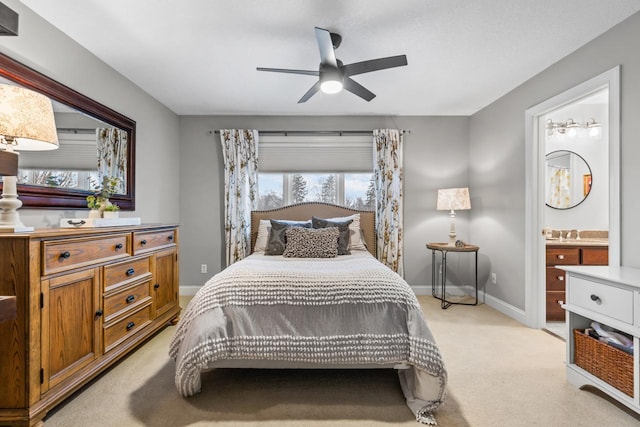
[444, 248]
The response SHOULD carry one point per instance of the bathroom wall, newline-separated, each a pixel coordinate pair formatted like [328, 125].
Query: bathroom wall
[593, 212]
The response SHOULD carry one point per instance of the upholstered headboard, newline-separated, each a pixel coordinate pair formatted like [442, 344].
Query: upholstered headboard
[304, 211]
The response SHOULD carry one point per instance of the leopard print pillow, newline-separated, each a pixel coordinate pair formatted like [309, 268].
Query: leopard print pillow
[311, 242]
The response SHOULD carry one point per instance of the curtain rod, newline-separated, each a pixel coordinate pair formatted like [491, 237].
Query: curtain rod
[316, 132]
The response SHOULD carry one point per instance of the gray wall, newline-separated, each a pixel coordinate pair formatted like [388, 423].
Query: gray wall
[497, 153]
[49, 51]
[435, 156]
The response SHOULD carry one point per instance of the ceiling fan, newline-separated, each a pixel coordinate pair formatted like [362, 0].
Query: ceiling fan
[334, 75]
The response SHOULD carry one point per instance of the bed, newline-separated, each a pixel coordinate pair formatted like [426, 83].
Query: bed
[282, 311]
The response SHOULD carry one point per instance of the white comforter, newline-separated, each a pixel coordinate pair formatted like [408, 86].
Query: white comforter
[349, 311]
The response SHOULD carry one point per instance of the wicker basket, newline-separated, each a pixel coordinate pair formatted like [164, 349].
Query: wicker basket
[611, 365]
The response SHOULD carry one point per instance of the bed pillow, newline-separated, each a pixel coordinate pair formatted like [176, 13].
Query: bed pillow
[263, 234]
[356, 239]
[277, 239]
[343, 228]
[311, 242]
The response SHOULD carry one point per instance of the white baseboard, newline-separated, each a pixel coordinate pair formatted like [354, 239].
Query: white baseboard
[497, 304]
[189, 290]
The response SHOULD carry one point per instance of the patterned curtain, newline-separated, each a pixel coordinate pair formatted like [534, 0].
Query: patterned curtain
[559, 187]
[388, 183]
[112, 156]
[240, 151]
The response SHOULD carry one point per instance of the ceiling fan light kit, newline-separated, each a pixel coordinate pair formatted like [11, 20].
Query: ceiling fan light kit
[330, 80]
[332, 75]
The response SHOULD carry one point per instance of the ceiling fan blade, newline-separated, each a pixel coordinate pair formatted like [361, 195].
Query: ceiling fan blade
[288, 71]
[357, 89]
[314, 89]
[374, 65]
[327, 54]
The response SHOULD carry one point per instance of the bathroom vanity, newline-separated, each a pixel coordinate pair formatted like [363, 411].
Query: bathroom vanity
[587, 251]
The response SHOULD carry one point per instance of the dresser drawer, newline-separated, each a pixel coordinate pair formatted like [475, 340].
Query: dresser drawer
[67, 254]
[145, 241]
[563, 256]
[116, 333]
[126, 299]
[123, 273]
[595, 256]
[555, 312]
[607, 300]
[555, 279]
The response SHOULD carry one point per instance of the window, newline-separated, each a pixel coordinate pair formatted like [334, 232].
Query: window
[353, 190]
[78, 180]
[298, 168]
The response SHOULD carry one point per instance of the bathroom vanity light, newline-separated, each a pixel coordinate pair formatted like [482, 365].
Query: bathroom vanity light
[453, 199]
[570, 127]
[594, 127]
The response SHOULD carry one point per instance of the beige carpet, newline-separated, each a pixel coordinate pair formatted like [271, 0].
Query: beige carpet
[500, 374]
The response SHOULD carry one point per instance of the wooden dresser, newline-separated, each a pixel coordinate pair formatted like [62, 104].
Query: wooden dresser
[84, 299]
[573, 253]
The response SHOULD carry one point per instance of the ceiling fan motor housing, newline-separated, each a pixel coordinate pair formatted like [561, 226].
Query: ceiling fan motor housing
[336, 39]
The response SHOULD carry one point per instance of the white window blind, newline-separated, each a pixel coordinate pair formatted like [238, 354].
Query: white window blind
[76, 152]
[315, 153]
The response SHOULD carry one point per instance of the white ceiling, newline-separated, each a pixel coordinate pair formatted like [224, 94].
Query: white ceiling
[199, 57]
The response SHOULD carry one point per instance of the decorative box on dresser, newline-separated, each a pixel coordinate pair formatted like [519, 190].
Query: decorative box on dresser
[568, 253]
[611, 297]
[84, 299]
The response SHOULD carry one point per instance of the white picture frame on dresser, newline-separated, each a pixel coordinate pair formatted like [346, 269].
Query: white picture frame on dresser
[608, 295]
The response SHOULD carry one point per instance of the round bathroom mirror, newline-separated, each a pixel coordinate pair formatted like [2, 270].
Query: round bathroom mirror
[568, 179]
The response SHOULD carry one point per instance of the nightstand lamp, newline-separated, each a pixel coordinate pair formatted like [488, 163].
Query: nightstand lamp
[26, 123]
[453, 199]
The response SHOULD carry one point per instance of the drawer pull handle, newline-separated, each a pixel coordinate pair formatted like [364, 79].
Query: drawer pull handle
[143, 242]
[560, 256]
[156, 286]
[130, 326]
[65, 254]
[118, 246]
[170, 238]
[130, 272]
[99, 313]
[76, 223]
[596, 298]
[130, 299]
[561, 278]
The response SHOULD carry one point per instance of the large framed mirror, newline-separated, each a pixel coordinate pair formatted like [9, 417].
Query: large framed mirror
[63, 178]
[568, 179]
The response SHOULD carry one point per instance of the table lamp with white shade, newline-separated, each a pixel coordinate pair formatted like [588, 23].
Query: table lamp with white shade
[453, 199]
[26, 123]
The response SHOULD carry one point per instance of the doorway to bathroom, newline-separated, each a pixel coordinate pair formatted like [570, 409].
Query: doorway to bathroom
[572, 150]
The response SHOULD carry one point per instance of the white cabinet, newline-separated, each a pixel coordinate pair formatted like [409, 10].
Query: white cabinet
[611, 297]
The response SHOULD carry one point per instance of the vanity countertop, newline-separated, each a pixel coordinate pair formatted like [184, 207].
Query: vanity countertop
[578, 242]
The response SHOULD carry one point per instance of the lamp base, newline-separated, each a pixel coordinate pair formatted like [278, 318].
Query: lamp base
[9, 205]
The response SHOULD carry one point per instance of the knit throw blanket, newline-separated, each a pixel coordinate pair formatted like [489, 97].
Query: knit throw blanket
[346, 311]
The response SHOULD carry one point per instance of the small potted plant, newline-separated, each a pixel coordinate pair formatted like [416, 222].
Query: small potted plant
[94, 204]
[99, 201]
[111, 211]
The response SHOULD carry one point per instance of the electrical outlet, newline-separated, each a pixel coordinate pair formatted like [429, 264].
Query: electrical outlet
[203, 268]
[494, 278]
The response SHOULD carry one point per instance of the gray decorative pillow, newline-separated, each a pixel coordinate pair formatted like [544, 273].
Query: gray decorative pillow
[277, 238]
[311, 242]
[343, 227]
